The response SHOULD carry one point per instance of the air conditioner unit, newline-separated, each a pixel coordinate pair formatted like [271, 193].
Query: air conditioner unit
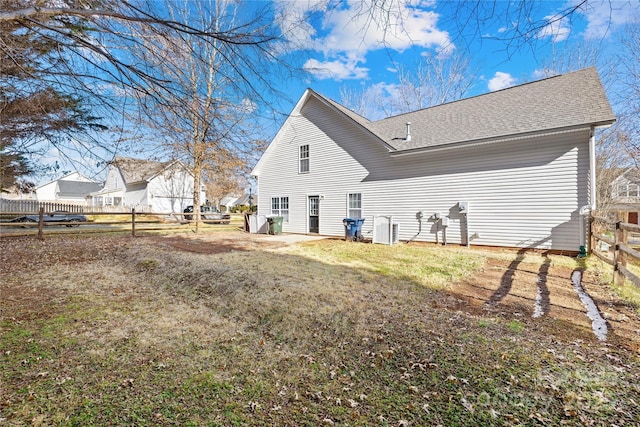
[384, 230]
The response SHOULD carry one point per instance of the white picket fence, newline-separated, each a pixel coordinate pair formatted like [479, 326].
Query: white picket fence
[33, 206]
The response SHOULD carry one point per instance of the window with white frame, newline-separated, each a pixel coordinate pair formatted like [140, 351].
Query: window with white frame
[108, 201]
[354, 205]
[280, 207]
[304, 158]
[633, 190]
[621, 190]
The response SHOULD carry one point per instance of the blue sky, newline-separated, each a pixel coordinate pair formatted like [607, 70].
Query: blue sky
[342, 47]
[343, 54]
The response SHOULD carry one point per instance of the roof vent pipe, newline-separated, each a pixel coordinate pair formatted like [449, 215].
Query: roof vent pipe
[408, 138]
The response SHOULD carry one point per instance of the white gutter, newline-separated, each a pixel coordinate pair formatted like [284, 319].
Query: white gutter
[465, 144]
[588, 209]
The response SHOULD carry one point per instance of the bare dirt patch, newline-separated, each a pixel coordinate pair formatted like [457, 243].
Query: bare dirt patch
[217, 243]
[543, 294]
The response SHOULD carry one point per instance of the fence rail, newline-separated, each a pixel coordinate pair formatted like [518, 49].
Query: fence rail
[131, 220]
[619, 252]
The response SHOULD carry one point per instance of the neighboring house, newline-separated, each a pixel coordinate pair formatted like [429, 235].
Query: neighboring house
[147, 185]
[510, 168]
[71, 188]
[625, 194]
[247, 199]
[229, 201]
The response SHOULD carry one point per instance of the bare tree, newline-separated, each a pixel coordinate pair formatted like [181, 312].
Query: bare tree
[201, 115]
[370, 101]
[92, 52]
[629, 61]
[433, 80]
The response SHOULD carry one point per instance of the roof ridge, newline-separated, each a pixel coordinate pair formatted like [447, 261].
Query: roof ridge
[339, 105]
[488, 93]
[556, 102]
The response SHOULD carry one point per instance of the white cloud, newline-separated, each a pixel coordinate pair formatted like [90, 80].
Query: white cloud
[293, 18]
[337, 70]
[543, 73]
[557, 28]
[605, 16]
[347, 33]
[501, 80]
[247, 106]
[361, 27]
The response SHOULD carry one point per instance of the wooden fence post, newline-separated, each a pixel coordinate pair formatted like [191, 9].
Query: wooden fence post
[590, 231]
[133, 222]
[619, 257]
[41, 223]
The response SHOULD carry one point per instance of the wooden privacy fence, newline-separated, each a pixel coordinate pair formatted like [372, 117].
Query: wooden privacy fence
[619, 250]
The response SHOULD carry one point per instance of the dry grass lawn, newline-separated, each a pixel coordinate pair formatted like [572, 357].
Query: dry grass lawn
[230, 329]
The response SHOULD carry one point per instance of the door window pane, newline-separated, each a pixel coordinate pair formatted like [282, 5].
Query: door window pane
[314, 206]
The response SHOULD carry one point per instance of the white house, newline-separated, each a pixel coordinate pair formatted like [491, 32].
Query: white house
[71, 188]
[625, 194]
[514, 168]
[231, 201]
[147, 185]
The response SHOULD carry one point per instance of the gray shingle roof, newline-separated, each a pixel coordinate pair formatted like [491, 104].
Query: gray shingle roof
[137, 170]
[77, 188]
[564, 101]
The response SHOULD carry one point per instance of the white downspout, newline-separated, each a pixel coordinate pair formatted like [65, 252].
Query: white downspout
[586, 211]
[592, 171]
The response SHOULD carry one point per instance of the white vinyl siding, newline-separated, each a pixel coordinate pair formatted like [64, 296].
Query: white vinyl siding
[522, 193]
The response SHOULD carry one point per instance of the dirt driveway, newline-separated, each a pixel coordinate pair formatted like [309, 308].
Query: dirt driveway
[538, 293]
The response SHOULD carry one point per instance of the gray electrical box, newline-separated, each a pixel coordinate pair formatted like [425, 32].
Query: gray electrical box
[463, 207]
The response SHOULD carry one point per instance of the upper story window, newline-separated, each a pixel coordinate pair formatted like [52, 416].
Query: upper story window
[626, 190]
[304, 158]
[354, 208]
